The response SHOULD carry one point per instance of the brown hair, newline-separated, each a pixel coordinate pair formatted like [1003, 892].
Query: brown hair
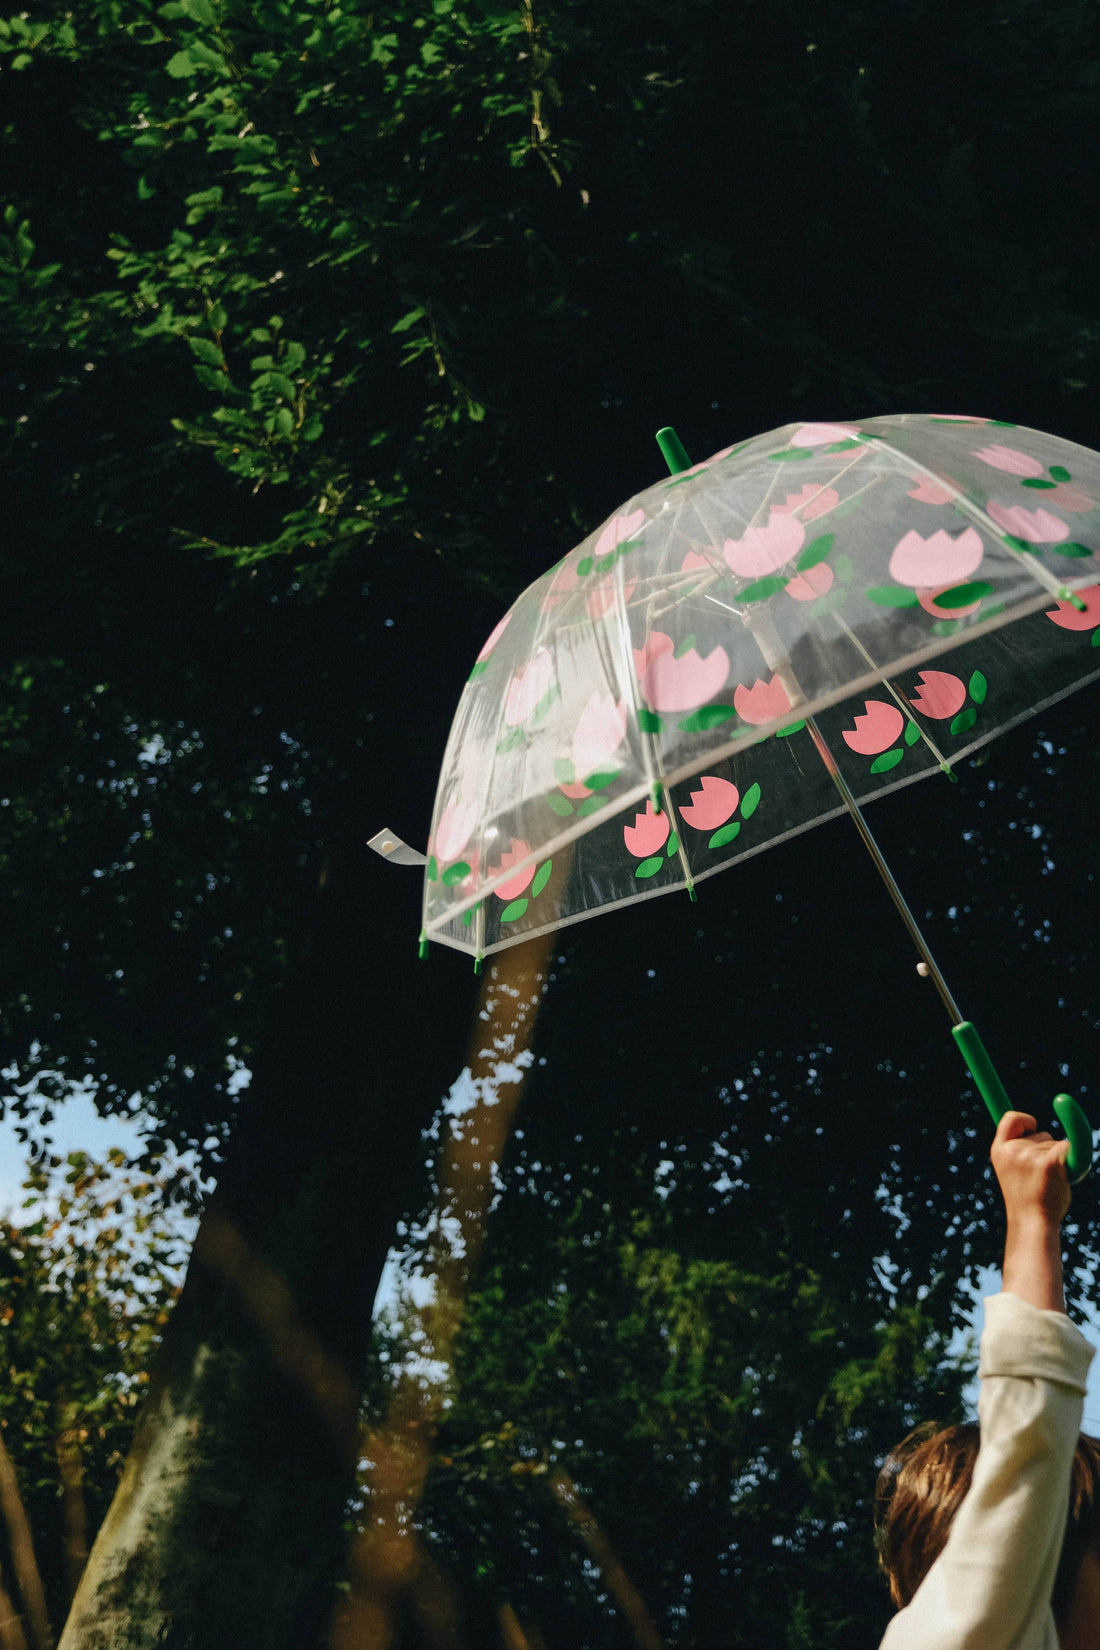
[918, 1493]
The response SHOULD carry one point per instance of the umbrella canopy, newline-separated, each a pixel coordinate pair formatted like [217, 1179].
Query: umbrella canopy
[903, 588]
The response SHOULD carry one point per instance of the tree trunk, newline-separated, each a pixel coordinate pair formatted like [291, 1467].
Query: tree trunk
[74, 1511]
[12, 1636]
[227, 1529]
[23, 1559]
[388, 1568]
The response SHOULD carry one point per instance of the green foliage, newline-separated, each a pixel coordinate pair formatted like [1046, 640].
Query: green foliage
[721, 1425]
[87, 1278]
[347, 220]
[206, 369]
[678, 1316]
[287, 259]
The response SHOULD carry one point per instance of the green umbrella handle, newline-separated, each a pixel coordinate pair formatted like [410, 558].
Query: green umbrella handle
[1079, 1130]
[992, 1091]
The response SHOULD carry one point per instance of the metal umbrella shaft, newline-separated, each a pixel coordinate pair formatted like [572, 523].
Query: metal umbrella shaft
[930, 966]
[965, 1033]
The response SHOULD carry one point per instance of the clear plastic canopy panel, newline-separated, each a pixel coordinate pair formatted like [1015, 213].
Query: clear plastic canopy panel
[637, 721]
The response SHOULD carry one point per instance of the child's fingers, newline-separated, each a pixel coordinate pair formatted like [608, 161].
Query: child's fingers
[1012, 1125]
[1018, 1125]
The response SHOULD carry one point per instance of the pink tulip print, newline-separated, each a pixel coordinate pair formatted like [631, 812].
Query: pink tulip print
[938, 560]
[823, 435]
[1068, 617]
[515, 885]
[814, 582]
[712, 804]
[670, 683]
[1068, 497]
[693, 562]
[527, 688]
[605, 596]
[562, 586]
[764, 549]
[656, 643]
[763, 702]
[876, 729]
[1011, 461]
[616, 531]
[494, 638]
[930, 491]
[648, 834]
[810, 503]
[598, 734]
[939, 694]
[1033, 526]
[456, 823]
[697, 469]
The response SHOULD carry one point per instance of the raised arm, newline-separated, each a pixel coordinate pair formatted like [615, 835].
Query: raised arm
[990, 1587]
[1030, 1169]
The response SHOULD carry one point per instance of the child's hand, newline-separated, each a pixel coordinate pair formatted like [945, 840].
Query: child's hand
[1031, 1170]
[1030, 1166]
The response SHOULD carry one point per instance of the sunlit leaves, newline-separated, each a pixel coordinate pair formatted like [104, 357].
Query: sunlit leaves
[247, 143]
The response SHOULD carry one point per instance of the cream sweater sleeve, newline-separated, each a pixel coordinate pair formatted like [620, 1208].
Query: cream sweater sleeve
[990, 1587]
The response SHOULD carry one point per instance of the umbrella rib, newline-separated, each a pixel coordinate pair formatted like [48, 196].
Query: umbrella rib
[479, 930]
[902, 702]
[884, 872]
[852, 462]
[805, 504]
[680, 850]
[719, 572]
[824, 485]
[653, 773]
[771, 489]
[651, 757]
[768, 642]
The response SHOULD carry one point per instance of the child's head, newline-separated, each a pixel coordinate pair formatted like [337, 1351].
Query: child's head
[918, 1493]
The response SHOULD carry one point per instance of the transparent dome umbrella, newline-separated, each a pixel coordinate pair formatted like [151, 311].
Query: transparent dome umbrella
[817, 616]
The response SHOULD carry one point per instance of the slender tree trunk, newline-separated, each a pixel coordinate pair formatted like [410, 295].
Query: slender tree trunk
[12, 1636]
[227, 1529]
[74, 1512]
[388, 1569]
[627, 1599]
[24, 1563]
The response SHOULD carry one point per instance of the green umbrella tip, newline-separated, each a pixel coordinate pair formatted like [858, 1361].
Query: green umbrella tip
[1074, 600]
[672, 450]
